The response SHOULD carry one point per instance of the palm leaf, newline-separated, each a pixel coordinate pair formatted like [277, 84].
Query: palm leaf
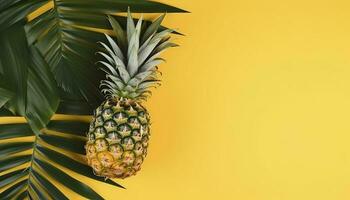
[14, 44]
[6, 95]
[14, 190]
[12, 177]
[26, 74]
[15, 11]
[42, 97]
[46, 161]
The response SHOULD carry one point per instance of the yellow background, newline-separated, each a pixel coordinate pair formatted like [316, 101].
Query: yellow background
[254, 105]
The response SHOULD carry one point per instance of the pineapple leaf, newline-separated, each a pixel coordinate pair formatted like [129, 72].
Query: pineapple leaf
[133, 64]
[107, 57]
[141, 76]
[110, 67]
[152, 44]
[147, 84]
[116, 59]
[160, 48]
[115, 80]
[133, 49]
[115, 47]
[142, 61]
[130, 26]
[150, 65]
[118, 65]
[145, 44]
[112, 85]
[119, 32]
[153, 28]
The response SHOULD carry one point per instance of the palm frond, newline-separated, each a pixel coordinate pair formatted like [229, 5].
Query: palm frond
[26, 74]
[59, 146]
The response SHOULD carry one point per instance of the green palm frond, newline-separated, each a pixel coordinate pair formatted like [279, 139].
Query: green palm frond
[26, 74]
[60, 145]
[6, 95]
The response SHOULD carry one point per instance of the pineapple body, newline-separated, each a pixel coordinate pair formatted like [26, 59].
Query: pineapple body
[118, 138]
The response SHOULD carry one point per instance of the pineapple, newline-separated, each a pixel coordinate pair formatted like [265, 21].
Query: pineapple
[120, 128]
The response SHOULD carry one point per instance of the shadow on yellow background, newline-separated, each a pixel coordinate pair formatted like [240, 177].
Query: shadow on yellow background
[254, 105]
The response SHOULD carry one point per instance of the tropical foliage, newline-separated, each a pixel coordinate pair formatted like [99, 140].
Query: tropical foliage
[47, 66]
[59, 145]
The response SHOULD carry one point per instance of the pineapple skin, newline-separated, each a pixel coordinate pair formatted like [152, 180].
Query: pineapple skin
[118, 138]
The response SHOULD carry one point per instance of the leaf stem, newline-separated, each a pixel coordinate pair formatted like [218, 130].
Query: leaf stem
[32, 158]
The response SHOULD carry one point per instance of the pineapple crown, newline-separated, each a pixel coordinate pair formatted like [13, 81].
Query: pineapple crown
[132, 60]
